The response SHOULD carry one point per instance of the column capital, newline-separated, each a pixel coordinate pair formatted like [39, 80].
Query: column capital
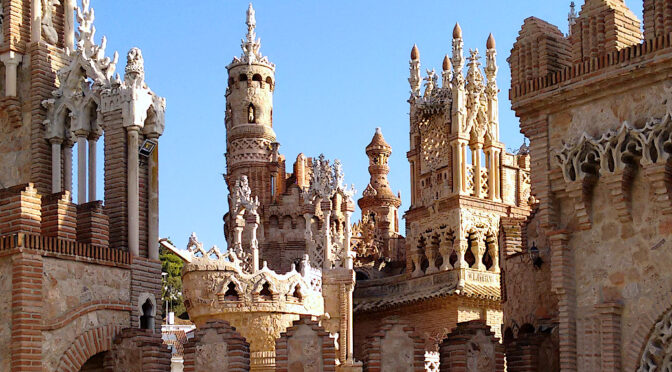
[133, 128]
[55, 140]
[11, 58]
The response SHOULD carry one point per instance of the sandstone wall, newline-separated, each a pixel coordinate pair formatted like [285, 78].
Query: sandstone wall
[74, 294]
[5, 308]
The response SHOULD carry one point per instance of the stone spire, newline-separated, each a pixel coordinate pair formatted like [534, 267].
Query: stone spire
[415, 79]
[251, 44]
[379, 152]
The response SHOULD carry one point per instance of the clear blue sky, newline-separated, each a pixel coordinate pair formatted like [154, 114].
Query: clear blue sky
[341, 72]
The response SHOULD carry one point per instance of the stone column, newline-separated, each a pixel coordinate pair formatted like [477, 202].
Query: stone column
[11, 61]
[497, 177]
[153, 202]
[494, 254]
[457, 168]
[69, 24]
[67, 165]
[326, 264]
[476, 161]
[253, 219]
[492, 189]
[133, 191]
[36, 21]
[93, 141]
[56, 164]
[81, 167]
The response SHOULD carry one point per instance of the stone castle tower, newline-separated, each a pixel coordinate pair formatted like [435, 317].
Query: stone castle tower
[86, 271]
[250, 139]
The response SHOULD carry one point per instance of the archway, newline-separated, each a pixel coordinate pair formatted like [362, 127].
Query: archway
[94, 364]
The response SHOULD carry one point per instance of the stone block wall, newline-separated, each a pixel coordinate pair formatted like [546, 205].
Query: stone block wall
[471, 347]
[395, 347]
[216, 346]
[305, 346]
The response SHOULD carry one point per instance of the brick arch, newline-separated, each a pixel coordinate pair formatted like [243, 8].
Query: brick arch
[86, 345]
[637, 344]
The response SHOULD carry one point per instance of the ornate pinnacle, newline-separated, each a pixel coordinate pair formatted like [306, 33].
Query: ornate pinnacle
[571, 17]
[251, 23]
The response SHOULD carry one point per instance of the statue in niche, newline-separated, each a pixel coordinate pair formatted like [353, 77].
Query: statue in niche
[48, 20]
[251, 114]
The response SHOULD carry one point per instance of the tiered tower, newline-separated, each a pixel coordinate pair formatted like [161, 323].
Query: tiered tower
[379, 227]
[462, 184]
[250, 139]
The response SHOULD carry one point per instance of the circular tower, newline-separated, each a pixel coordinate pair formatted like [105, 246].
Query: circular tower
[250, 137]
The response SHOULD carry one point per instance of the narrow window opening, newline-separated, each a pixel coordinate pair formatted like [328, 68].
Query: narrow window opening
[231, 294]
[266, 293]
[147, 319]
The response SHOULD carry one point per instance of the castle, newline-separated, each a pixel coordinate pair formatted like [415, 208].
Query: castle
[553, 258]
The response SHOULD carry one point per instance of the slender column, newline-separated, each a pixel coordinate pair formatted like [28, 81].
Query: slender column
[92, 168]
[56, 165]
[36, 21]
[133, 194]
[457, 167]
[564, 285]
[349, 289]
[463, 167]
[11, 61]
[492, 188]
[69, 26]
[476, 161]
[153, 204]
[431, 251]
[327, 241]
[67, 166]
[494, 254]
[460, 247]
[81, 168]
[348, 233]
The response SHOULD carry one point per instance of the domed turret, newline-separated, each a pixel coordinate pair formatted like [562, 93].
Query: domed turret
[491, 42]
[415, 53]
[457, 31]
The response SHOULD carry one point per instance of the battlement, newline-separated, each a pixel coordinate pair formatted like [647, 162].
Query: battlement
[61, 226]
[544, 60]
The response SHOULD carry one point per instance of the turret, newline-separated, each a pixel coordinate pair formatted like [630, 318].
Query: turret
[249, 113]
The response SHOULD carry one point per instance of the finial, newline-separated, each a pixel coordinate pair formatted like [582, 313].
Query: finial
[457, 31]
[490, 44]
[379, 131]
[446, 63]
[572, 16]
[251, 21]
[415, 53]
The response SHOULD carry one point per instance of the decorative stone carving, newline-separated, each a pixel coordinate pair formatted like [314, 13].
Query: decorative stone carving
[657, 354]
[48, 29]
[251, 45]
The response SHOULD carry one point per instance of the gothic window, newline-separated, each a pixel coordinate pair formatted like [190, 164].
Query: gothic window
[251, 114]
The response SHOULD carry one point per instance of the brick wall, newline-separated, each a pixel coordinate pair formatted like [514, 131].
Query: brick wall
[471, 347]
[152, 355]
[145, 278]
[26, 342]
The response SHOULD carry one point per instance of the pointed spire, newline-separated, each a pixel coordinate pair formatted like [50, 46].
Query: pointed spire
[415, 53]
[251, 23]
[457, 31]
[490, 44]
[446, 63]
[251, 45]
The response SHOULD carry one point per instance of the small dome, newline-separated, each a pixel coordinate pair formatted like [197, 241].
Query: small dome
[457, 31]
[491, 42]
[415, 53]
[446, 63]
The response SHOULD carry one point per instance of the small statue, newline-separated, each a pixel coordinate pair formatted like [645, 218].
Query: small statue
[48, 20]
[250, 114]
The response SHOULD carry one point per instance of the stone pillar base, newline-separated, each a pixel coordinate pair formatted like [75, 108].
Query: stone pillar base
[350, 366]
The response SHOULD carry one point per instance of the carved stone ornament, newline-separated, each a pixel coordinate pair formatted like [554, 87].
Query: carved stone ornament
[657, 354]
[48, 29]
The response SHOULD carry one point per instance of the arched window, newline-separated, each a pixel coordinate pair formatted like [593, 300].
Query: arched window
[257, 77]
[147, 319]
[242, 77]
[266, 293]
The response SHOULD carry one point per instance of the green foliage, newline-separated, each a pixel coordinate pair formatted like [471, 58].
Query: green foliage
[172, 283]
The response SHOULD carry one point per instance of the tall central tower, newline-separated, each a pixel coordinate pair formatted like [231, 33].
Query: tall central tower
[250, 139]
